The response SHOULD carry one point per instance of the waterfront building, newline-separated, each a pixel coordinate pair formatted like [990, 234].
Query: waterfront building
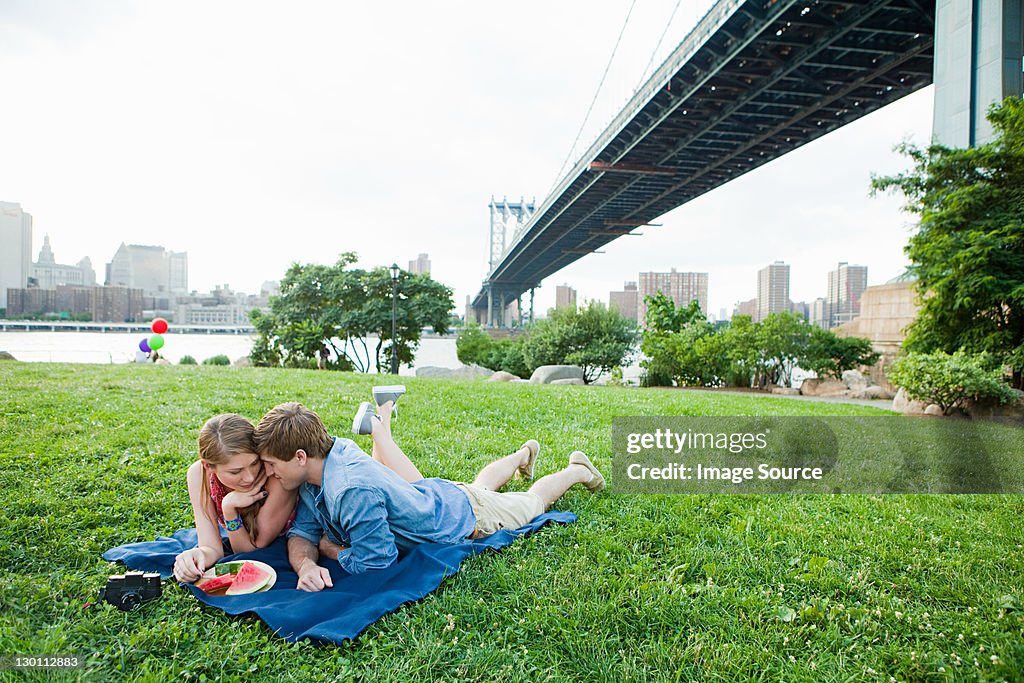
[625, 302]
[159, 273]
[846, 285]
[772, 290]
[46, 273]
[565, 296]
[421, 265]
[16, 255]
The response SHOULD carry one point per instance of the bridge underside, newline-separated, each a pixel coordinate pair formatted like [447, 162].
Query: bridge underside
[768, 78]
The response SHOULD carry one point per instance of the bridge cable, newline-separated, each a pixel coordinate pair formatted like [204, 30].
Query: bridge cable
[672, 16]
[593, 101]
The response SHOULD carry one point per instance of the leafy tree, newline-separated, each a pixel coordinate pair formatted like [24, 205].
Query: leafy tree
[595, 338]
[949, 380]
[663, 354]
[741, 350]
[782, 340]
[968, 254]
[829, 355]
[337, 307]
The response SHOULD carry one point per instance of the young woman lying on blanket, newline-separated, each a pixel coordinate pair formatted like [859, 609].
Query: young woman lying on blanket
[229, 488]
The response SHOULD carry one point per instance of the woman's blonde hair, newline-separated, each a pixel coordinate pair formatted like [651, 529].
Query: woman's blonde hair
[221, 438]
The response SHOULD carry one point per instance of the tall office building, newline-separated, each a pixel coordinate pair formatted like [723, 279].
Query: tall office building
[565, 296]
[846, 284]
[421, 265]
[772, 290]
[154, 270]
[16, 254]
[48, 274]
[625, 302]
[817, 313]
[682, 288]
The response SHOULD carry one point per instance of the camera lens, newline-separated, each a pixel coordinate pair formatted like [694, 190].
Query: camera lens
[130, 601]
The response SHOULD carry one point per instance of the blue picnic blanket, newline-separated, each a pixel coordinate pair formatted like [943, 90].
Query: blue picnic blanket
[334, 614]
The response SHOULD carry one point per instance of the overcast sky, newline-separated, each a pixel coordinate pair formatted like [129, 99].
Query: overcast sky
[255, 134]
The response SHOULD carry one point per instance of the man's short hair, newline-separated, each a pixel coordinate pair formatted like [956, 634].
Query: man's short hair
[288, 427]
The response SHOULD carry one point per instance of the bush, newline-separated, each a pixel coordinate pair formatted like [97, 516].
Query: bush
[219, 359]
[187, 360]
[948, 380]
[830, 356]
[475, 346]
[595, 338]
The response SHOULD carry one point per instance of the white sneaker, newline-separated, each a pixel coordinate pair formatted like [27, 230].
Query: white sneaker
[361, 423]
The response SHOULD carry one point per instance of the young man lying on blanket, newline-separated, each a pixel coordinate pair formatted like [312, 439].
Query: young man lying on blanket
[380, 505]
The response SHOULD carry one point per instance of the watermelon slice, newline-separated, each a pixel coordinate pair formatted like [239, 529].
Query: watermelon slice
[216, 584]
[250, 578]
[228, 567]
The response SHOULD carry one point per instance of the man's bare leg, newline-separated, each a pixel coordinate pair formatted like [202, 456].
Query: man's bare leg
[580, 471]
[498, 473]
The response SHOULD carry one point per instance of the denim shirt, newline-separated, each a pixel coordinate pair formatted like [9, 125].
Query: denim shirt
[366, 506]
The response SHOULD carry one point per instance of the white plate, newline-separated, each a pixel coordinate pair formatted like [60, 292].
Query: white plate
[212, 573]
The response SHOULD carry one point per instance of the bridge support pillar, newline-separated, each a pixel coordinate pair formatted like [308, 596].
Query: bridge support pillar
[490, 307]
[979, 46]
[531, 305]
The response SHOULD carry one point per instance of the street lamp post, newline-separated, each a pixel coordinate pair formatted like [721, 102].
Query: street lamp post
[394, 318]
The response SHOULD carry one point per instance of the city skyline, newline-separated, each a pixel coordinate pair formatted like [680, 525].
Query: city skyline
[224, 153]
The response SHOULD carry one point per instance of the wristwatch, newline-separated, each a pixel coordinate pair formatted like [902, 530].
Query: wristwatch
[234, 524]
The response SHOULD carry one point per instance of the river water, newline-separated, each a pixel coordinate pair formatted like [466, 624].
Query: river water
[117, 347]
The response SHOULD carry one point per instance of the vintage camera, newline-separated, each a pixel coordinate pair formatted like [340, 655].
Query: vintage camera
[129, 590]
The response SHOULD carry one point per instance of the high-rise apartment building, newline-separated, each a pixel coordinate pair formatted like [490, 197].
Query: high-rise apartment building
[682, 288]
[154, 270]
[748, 307]
[421, 265]
[772, 290]
[16, 254]
[817, 313]
[846, 284]
[565, 296]
[625, 302]
[48, 274]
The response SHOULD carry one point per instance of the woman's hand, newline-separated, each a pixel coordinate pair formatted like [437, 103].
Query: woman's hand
[239, 500]
[190, 565]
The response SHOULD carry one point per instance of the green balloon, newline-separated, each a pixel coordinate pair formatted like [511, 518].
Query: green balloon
[156, 341]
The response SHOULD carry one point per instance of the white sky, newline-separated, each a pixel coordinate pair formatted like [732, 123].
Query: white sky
[255, 134]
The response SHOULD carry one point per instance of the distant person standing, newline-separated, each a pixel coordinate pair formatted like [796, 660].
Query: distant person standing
[324, 356]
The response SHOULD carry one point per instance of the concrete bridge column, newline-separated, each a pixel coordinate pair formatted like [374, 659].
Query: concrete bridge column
[979, 56]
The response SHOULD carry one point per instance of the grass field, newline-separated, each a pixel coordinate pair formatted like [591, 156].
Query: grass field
[711, 588]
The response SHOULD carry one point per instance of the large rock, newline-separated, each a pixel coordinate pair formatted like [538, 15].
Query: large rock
[6, 356]
[546, 374]
[785, 391]
[822, 387]
[934, 410]
[991, 408]
[855, 380]
[902, 403]
[463, 372]
[502, 376]
[570, 380]
[242, 362]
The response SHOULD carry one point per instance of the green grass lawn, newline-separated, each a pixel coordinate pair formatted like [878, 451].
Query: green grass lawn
[712, 588]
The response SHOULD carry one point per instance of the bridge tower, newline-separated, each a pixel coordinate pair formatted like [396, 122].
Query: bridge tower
[979, 49]
[507, 221]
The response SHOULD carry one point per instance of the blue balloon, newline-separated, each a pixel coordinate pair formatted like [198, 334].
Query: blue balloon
[144, 346]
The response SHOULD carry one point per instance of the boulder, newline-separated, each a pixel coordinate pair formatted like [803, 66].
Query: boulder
[991, 408]
[933, 410]
[876, 392]
[855, 380]
[785, 391]
[502, 376]
[546, 374]
[822, 387]
[242, 362]
[462, 372]
[6, 356]
[570, 380]
[902, 403]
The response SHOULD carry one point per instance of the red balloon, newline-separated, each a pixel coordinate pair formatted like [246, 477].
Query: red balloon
[159, 325]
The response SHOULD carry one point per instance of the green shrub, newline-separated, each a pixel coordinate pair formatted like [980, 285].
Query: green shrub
[828, 355]
[949, 380]
[219, 359]
[187, 360]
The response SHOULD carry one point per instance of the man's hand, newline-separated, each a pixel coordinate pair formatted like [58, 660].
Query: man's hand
[189, 565]
[313, 578]
[329, 549]
[238, 500]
